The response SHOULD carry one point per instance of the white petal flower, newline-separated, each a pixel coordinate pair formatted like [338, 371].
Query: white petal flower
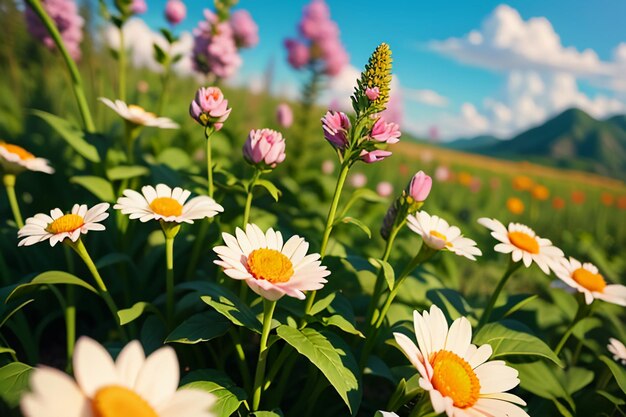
[439, 235]
[131, 386]
[269, 267]
[15, 159]
[138, 116]
[586, 279]
[618, 350]
[456, 373]
[167, 204]
[58, 226]
[523, 244]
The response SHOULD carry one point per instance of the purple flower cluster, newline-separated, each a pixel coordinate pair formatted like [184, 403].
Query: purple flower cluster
[216, 43]
[65, 15]
[319, 43]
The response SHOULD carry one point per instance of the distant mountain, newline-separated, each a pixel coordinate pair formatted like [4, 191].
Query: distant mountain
[470, 144]
[572, 139]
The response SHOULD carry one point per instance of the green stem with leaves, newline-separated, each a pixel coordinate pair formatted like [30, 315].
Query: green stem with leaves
[259, 377]
[582, 312]
[484, 318]
[77, 83]
[208, 131]
[250, 189]
[169, 280]
[9, 183]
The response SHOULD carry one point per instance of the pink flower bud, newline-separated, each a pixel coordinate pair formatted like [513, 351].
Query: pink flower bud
[336, 126]
[443, 173]
[209, 108]
[384, 189]
[358, 180]
[175, 11]
[420, 186]
[385, 132]
[372, 93]
[328, 166]
[374, 156]
[139, 7]
[264, 148]
[245, 30]
[297, 53]
[284, 115]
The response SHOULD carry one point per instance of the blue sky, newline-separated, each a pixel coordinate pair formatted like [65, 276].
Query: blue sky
[525, 61]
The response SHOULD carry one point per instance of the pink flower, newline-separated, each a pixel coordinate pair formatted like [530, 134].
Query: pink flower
[214, 49]
[264, 148]
[336, 126]
[209, 108]
[385, 132]
[420, 186]
[328, 167]
[358, 180]
[245, 30]
[376, 155]
[443, 173]
[384, 189]
[139, 7]
[372, 93]
[297, 53]
[175, 11]
[284, 115]
[68, 21]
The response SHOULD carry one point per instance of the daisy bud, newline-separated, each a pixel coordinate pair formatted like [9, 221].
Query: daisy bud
[284, 115]
[385, 132]
[264, 148]
[209, 108]
[420, 186]
[372, 93]
[336, 126]
[175, 11]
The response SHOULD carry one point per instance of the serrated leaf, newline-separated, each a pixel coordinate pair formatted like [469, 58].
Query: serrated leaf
[229, 396]
[49, 278]
[130, 314]
[508, 338]
[200, 327]
[331, 355]
[97, 186]
[125, 172]
[72, 135]
[13, 382]
[358, 223]
[618, 372]
[270, 187]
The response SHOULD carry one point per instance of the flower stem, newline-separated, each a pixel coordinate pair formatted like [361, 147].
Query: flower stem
[70, 322]
[169, 280]
[246, 212]
[121, 53]
[9, 183]
[209, 165]
[582, 312]
[513, 266]
[77, 83]
[268, 312]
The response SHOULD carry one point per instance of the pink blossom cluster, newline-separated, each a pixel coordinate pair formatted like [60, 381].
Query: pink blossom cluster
[216, 43]
[319, 42]
[65, 15]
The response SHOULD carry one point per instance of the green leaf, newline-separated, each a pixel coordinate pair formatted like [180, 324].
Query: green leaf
[235, 310]
[125, 172]
[376, 366]
[97, 186]
[322, 304]
[11, 312]
[159, 54]
[49, 278]
[270, 187]
[175, 158]
[388, 272]
[276, 413]
[13, 382]
[331, 355]
[574, 379]
[112, 259]
[358, 223]
[340, 322]
[540, 379]
[229, 396]
[615, 400]
[364, 194]
[404, 392]
[618, 372]
[7, 350]
[509, 338]
[71, 134]
[130, 314]
[200, 328]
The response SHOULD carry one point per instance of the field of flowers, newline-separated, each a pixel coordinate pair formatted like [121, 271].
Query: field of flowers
[175, 246]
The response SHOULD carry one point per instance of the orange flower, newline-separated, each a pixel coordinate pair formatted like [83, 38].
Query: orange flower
[540, 192]
[607, 199]
[522, 183]
[465, 178]
[621, 202]
[558, 203]
[515, 205]
[578, 197]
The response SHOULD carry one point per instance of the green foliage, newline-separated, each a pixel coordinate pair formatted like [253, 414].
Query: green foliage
[14, 381]
[229, 395]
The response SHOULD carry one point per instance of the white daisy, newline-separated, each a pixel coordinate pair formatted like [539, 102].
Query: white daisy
[586, 279]
[58, 226]
[270, 268]
[439, 235]
[456, 373]
[523, 244]
[15, 159]
[618, 350]
[133, 385]
[138, 116]
[166, 204]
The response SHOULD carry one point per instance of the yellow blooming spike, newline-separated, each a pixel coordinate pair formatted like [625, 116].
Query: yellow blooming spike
[377, 75]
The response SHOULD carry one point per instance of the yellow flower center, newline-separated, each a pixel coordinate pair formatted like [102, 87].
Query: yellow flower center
[270, 265]
[116, 401]
[440, 236]
[18, 150]
[453, 377]
[524, 242]
[166, 206]
[592, 282]
[66, 223]
[139, 111]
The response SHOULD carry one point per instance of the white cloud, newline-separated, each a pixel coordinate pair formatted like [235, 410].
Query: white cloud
[429, 97]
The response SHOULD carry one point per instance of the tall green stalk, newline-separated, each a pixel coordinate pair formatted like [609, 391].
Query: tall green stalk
[9, 183]
[246, 211]
[208, 131]
[484, 319]
[169, 280]
[268, 312]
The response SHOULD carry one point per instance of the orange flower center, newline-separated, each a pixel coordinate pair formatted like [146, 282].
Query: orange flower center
[270, 265]
[166, 206]
[592, 282]
[18, 150]
[139, 111]
[116, 401]
[66, 223]
[453, 377]
[524, 242]
[440, 236]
